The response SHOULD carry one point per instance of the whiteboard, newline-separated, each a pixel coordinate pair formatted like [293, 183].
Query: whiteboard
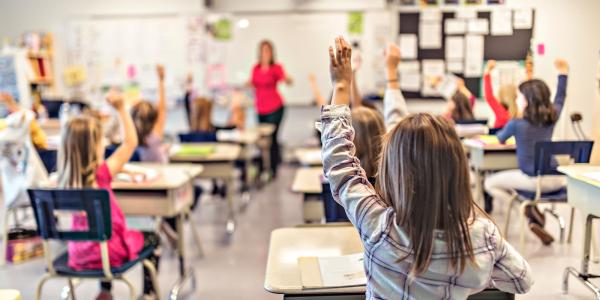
[301, 42]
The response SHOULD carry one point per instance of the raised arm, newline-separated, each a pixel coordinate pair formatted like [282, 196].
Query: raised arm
[314, 87]
[394, 105]
[511, 273]
[10, 103]
[497, 108]
[561, 90]
[130, 139]
[349, 184]
[460, 85]
[159, 127]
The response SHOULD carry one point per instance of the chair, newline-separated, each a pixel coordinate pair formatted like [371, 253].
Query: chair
[48, 158]
[333, 211]
[198, 137]
[544, 164]
[48, 204]
[135, 157]
[474, 121]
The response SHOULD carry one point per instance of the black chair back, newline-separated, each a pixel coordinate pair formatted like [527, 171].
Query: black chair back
[198, 137]
[49, 158]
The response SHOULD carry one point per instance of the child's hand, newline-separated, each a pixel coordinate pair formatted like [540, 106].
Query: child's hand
[160, 71]
[392, 57]
[491, 64]
[115, 99]
[562, 66]
[340, 67]
[312, 78]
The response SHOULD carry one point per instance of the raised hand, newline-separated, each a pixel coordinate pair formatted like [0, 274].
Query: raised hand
[491, 64]
[340, 69]
[160, 71]
[562, 66]
[115, 99]
[392, 57]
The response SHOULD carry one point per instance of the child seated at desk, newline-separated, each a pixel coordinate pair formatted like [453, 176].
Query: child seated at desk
[423, 234]
[459, 107]
[81, 165]
[539, 116]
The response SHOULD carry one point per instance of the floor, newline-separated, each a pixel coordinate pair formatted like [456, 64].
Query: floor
[234, 268]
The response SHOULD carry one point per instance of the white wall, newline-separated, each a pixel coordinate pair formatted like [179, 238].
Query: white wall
[294, 5]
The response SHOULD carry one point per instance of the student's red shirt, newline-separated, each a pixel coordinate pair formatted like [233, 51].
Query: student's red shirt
[265, 82]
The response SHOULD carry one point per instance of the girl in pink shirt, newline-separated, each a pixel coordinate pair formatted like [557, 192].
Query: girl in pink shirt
[81, 165]
[266, 74]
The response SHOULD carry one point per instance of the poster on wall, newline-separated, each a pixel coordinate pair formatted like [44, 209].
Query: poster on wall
[8, 76]
[355, 22]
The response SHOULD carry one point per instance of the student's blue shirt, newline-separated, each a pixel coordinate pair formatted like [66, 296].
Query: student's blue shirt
[527, 134]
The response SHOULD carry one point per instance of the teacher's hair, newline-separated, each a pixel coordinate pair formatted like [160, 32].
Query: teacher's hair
[269, 44]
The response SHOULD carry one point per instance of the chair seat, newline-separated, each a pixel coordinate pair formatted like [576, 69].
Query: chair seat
[554, 196]
[62, 267]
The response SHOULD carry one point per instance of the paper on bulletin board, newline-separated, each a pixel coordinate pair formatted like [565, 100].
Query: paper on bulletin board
[409, 67]
[432, 15]
[523, 18]
[410, 81]
[455, 66]
[478, 26]
[430, 35]
[465, 14]
[433, 70]
[455, 26]
[455, 47]
[501, 22]
[473, 56]
[408, 46]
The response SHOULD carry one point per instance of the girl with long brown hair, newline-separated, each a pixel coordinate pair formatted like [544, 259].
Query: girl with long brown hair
[424, 236]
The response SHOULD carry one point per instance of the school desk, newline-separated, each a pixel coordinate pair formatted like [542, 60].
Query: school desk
[288, 244]
[247, 138]
[6, 294]
[220, 164]
[307, 181]
[486, 158]
[584, 194]
[309, 156]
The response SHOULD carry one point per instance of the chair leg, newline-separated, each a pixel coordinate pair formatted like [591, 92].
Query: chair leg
[522, 225]
[510, 206]
[571, 225]
[561, 222]
[71, 289]
[153, 277]
[197, 238]
[132, 292]
[40, 285]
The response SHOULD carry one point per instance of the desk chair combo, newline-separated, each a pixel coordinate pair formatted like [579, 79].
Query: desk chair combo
[578, 152]
[48, 204]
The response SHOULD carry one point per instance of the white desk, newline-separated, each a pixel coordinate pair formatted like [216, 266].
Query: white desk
[307, 181]
[309, 156]
[217, 165]
[584, 194]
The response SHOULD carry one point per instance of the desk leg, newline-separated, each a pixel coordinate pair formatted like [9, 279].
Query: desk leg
[583, 275]
[184, 272]
[247, 179]
[587, 242]
[230, 207]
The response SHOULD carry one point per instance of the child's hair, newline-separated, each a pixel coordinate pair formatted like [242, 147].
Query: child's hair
[462, 107]
[369, 130]
[201, 118]
[144, 116]
[539, 110]
[77, 155]
[424, 176]
[508, 98]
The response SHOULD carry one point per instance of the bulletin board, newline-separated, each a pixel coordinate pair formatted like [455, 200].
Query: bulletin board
[502, 47]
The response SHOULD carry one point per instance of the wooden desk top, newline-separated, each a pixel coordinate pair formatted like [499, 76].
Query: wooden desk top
[170, 176]
[309, 156]
[223, 152]
[474, 144]
[308, 180]
[577, 171]
[287, 244]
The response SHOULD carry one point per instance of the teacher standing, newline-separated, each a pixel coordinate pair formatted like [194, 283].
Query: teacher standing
[266, 75]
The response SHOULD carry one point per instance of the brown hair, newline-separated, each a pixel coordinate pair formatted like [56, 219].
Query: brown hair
[201, 115]
[462, 107]
[539, 111]
[508, 99]
[369, 128]
[424, 176]
[78, 152]
[269, 44]
[144, 116]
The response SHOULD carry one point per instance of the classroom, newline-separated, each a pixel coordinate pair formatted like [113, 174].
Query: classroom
[300, 149]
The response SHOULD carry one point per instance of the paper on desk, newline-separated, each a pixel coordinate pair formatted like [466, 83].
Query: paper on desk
[339, 271]
[455, 26]
[473, 56]
[523, 18]
[478, 26]
[593, 175]
[501, 22]
[408, 46]
[137, 174]
[430, 35]
[455, 47]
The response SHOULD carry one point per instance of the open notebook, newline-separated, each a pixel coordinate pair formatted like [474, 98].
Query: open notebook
[132, 173]
[333, 271]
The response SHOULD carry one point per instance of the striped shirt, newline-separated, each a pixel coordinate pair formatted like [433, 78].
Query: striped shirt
[386, 243]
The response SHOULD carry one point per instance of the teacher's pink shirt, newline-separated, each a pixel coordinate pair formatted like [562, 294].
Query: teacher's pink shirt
[265, 81]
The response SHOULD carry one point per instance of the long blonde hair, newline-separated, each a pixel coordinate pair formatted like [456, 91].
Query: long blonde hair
[508, 98]
[369, 128]
[424, 176]
[78, 152]
[201, 115]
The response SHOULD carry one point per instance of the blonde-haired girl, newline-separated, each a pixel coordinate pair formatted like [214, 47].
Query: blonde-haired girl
[421, 230]
[81, 165]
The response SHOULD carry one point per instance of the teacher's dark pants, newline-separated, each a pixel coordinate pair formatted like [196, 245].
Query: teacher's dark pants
[275, 153]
